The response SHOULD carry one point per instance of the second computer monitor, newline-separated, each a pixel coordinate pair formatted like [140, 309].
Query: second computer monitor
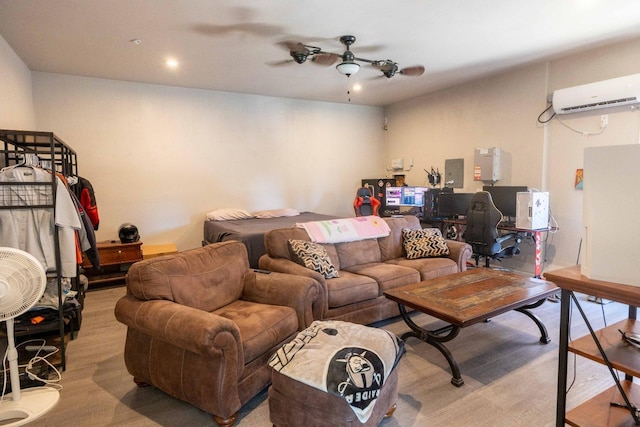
[453, 205]
[505, 197]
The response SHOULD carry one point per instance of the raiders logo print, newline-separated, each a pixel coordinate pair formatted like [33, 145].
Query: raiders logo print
[356, 375]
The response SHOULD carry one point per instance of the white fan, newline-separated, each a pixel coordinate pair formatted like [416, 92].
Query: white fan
[22, 283]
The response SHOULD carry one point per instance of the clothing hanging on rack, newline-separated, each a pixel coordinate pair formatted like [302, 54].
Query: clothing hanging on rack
[32, 230]
[84, 191]
[88, 243]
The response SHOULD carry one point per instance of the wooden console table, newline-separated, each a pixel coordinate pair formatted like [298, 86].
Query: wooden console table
[598, 410]
[115, 260]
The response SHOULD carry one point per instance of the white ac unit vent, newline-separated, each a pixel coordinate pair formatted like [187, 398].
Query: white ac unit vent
[604, 94]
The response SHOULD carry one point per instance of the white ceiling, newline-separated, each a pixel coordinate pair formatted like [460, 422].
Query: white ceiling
[228, 45]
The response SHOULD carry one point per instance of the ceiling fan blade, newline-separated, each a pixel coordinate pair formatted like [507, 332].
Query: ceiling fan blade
[296, 47]
[279, 63]
[416, 70]
[255, 28]
[324, 58]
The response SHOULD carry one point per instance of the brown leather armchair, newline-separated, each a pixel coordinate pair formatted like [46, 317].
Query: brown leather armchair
[202, 325]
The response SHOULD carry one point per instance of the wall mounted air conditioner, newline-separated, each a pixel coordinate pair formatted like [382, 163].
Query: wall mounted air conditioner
[604, 94]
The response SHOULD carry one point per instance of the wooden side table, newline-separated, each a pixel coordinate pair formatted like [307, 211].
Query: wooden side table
[115, 260]
[598, 410]
[153, 251]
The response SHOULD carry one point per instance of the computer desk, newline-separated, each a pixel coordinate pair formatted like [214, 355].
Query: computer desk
[536, 235]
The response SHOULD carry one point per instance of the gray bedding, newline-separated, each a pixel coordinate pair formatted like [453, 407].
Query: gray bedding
[251, 231]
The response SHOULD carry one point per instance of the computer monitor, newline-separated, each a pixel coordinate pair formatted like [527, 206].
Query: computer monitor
[504, 197]
[452, 205]
[405, 196]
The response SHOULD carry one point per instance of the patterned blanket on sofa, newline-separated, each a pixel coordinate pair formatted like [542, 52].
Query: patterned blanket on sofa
[346, 229]
[344, 359]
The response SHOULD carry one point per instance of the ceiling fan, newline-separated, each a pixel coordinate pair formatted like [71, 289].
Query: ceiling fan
[300, 52]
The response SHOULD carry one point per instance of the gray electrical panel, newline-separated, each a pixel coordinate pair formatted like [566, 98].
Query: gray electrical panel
[486, 165]
[454, 173]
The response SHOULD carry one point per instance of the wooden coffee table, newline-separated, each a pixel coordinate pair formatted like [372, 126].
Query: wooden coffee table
[467, 298]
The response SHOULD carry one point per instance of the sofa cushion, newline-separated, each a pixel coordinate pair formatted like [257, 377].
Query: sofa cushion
[261, 326]
[313, 256]
[388, 276]
[391, 247]
[358, 252]
[425, 243]
[350, 288]
[429, 268]
[206, 278]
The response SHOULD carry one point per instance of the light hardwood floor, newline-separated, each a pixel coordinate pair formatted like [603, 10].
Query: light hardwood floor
[510, 378]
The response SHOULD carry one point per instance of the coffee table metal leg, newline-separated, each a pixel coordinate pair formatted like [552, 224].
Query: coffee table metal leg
[435, 339]
[544, 335]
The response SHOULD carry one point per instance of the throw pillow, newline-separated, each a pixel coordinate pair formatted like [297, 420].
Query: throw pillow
[314, 257]
[226, 214]
[275, 213]
[427, 243]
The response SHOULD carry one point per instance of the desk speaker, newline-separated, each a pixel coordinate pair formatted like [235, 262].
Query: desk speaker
[532, 210]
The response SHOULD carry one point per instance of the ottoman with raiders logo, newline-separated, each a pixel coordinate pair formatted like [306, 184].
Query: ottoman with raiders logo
[335, 373]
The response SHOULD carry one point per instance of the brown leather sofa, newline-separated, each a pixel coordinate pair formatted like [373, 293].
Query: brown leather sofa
[202, 325]
[366, 269]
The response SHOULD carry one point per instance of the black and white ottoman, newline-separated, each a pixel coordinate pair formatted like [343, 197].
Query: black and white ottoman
[335, 374]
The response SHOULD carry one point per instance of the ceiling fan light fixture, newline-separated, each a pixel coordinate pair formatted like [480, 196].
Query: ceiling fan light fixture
[348, 68]
[299, 57]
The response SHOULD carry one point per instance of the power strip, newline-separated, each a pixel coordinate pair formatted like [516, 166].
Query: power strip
[40, 347]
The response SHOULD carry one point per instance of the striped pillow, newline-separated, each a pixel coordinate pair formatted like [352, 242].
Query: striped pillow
[313, 256]
[427, 243]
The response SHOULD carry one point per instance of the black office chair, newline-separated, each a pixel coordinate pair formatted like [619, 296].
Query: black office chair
[482, 234]
[365, 204]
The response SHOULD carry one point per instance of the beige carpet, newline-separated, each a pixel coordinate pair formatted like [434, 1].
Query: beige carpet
[510, 378]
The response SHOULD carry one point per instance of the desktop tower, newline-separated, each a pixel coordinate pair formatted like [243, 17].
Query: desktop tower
[532, 210]
[431, 201]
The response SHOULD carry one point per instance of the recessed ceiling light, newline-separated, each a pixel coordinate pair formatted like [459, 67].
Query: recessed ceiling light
[135, 41]
[172, 63]
[357, 87]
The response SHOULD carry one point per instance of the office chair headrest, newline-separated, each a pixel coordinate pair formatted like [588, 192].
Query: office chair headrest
[363, 192]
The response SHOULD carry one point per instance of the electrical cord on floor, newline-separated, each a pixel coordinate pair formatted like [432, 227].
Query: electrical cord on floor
[604, 316]
[29, 367]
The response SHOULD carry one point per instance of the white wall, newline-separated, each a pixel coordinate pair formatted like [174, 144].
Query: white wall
[566, 146]
[162, 157]
[502, 111]
[16, 105]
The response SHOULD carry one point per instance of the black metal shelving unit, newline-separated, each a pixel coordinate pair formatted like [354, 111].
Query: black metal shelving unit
[50, 152]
